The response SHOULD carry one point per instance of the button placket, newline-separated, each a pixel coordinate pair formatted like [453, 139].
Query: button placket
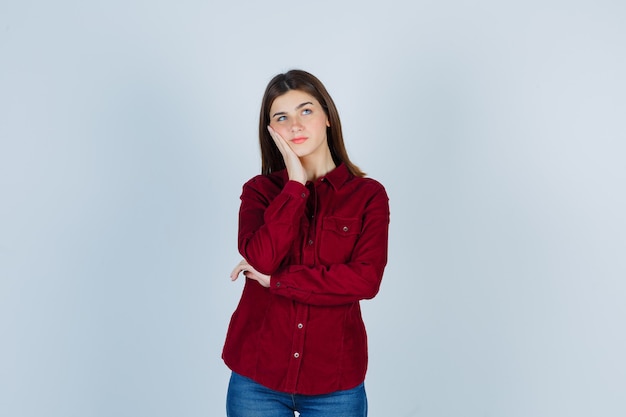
[297, 347]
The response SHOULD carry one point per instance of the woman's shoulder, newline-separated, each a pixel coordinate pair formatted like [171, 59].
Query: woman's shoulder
[366, 188]
[368, 183]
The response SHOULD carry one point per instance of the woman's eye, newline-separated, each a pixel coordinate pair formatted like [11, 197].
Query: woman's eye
[307, 111]
[281, 118]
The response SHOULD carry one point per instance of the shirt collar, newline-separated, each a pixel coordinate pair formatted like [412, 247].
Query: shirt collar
[337, 177]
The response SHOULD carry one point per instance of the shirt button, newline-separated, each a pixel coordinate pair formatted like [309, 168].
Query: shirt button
[310, 242]
[296, 355]
[278, 284]
[300, 325]
[345, 228]
[302, 195]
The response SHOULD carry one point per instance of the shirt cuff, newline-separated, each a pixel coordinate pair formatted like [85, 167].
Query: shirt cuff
[296, 189]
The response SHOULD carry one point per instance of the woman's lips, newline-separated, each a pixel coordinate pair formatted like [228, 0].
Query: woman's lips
[299, 140]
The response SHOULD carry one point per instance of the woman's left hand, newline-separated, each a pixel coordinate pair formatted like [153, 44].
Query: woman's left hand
[250, 272]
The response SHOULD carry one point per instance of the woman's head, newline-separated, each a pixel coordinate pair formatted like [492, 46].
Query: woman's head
[299, 80]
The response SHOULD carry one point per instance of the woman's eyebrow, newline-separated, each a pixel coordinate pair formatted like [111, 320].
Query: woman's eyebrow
[298, 107]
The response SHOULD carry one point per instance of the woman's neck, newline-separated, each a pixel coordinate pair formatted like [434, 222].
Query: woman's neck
[317, 167]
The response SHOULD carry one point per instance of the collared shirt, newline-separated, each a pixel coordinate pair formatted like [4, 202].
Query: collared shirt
[325, 247]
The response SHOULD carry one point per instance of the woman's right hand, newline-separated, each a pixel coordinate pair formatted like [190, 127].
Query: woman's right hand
[295, 170]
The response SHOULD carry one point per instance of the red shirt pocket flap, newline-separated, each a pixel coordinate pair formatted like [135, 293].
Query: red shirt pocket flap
[342, 225]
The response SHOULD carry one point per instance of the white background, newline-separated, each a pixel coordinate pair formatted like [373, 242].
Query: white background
[498, 127]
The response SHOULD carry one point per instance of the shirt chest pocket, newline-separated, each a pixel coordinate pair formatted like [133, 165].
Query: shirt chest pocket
[338, 238]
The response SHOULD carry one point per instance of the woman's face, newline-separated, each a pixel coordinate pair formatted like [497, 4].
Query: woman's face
[300, 119]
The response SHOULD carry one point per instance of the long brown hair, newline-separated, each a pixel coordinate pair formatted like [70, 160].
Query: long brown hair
[271, 158]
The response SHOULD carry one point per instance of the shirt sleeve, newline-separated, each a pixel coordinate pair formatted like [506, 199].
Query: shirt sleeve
[344, 283]
[268, 226]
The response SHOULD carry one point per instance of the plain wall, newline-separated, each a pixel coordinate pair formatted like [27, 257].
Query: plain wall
[127, 129]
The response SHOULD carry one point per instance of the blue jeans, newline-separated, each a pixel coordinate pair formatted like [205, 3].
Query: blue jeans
[247, 398]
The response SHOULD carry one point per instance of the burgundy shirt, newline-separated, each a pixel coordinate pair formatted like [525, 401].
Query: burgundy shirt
[325, 247]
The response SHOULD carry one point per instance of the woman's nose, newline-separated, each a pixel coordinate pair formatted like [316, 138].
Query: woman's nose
[296, 125]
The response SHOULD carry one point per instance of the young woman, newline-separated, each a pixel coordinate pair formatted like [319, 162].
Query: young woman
[313, 236]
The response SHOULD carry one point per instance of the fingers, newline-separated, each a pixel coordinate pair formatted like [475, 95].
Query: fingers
[242, 266]
[281, 143]
[249, 272]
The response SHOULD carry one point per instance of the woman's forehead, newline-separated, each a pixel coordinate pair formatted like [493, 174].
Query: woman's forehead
[292, 99]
